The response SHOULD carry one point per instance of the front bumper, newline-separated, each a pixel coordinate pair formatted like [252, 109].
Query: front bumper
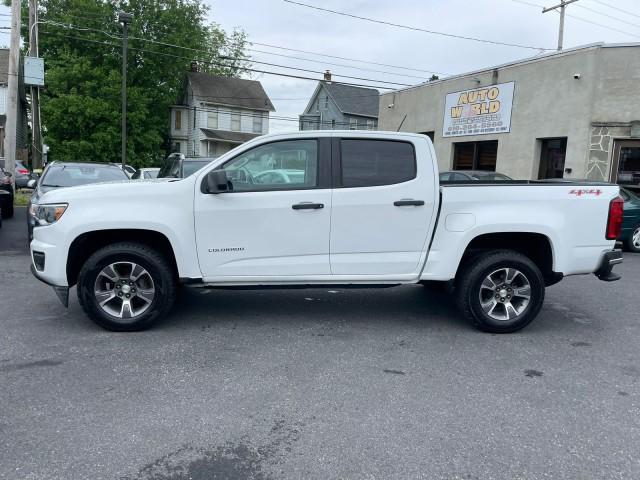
[51, 265]
[609, 260]
[61, 292]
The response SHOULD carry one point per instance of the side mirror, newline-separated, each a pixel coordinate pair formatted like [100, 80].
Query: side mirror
[31, 184]
[215, 182]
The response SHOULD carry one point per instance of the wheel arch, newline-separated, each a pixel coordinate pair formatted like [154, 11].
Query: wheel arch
[87, 243]
[536, 246]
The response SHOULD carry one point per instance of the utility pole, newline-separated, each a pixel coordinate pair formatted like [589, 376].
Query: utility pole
[562, 5]
[12, 97]
[125, 19]
[36, 150]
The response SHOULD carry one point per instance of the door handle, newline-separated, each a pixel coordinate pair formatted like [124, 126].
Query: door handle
[407, 203]
[307, 206]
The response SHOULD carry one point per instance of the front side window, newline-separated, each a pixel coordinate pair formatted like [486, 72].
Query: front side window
[287, 165]
[367, 163]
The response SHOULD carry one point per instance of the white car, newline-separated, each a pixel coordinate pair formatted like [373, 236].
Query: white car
[350, 208]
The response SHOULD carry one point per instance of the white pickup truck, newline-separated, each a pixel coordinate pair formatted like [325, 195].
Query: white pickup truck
[323, 208]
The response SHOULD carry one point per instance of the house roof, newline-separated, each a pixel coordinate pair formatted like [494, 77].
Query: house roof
[229, 91]
[351, 100]
[229, 137]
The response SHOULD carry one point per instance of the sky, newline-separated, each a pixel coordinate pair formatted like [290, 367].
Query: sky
[277, 22]
[284, 24]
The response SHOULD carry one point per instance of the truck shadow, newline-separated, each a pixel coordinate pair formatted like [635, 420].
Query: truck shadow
[409, 305]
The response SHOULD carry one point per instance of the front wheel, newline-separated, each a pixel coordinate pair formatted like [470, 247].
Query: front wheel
[633, 242]
[126, 287]
[501, 292]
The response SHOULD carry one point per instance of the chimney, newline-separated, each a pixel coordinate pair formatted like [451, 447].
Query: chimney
[194, 66]
[327, 76]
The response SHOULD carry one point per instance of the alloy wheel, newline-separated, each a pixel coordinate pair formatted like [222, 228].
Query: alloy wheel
[124, 290]
[505, 294]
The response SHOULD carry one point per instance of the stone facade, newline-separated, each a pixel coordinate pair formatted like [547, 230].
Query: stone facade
[601, 146]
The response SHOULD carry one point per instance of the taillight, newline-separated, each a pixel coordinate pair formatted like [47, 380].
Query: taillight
[614, 222]
[23, 171]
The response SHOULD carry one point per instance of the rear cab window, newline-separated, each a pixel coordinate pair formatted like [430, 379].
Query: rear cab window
[368, 163]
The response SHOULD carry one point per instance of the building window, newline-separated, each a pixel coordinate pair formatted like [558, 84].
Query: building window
[212, 119]
[235, 121]
[326, 102]
[178, 120]
[333, 124]
[552, 154]
[475, 155]
[257, 122]
[626, 164]
[176, 147]
[371, 125]
[353, 124]
[317, 104]
[367, 163]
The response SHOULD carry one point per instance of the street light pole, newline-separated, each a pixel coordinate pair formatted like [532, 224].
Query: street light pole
[563, 6]
[125, 19]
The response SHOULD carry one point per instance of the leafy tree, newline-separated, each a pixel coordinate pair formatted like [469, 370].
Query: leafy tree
[82, 47]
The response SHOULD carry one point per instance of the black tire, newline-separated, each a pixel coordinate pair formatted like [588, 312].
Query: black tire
[468, 290]
[159, 270]
[628, 244]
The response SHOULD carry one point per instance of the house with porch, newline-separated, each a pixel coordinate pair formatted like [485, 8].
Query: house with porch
[215, 114]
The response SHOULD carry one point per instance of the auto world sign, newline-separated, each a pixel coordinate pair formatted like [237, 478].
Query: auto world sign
[481, 111]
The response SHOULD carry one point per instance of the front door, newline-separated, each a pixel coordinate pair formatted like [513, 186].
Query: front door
[382, 207]
[625, 168]
[275, 222]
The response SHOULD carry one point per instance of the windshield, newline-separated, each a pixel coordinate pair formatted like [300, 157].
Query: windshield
[73, 175]
[191, 167]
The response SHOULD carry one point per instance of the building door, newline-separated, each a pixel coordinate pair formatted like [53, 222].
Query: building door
[552, 155]
[625, 167]
[475, 155]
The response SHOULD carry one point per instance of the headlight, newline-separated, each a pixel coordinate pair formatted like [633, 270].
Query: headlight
[47, 214]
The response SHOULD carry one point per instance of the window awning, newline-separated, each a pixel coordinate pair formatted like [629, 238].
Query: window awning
[227, 137]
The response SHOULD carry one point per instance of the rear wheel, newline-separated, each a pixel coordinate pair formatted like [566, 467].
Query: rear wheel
[7, 208]
[500, 292]
[633, 242]
[126, 287]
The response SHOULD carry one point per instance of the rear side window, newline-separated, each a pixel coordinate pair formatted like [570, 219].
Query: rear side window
[367, 163]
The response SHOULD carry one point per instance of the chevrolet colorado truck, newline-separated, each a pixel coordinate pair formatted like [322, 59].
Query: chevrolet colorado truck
[348, 208]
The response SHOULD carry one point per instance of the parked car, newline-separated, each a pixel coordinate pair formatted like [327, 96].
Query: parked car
[6, 194]
[23, 175]
[472, 175]
[630, 236]
[69, 174]
[368, 210]
[177, 165]
[145, 173]
[128, 169]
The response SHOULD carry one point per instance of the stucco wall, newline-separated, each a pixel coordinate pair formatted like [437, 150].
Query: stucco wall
[548, 102]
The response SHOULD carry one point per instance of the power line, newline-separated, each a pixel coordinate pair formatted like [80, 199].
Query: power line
[531, 4]
[617, 8]
[608, 16]
[223, 57]
[340, 58]
[219, 64]
[322, 62]
[417, 29]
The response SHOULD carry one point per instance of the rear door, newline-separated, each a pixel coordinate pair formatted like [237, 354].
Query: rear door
[383, 205]
[275, 222]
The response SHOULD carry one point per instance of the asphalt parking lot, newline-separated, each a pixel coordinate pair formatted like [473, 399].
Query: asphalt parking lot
[318, 384]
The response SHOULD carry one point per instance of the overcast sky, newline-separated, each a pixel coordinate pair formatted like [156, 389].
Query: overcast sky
[283, 24]
[287, 25]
